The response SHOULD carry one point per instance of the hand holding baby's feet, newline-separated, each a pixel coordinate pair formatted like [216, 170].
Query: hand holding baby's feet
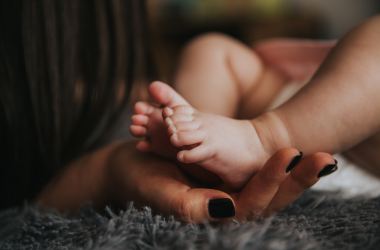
[229, 148]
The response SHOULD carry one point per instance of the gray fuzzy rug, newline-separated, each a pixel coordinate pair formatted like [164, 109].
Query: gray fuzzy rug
[316, 221]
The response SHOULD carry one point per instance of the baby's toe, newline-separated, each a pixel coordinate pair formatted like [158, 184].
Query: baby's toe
[177, 110]
[141, 120]
[176, 118]
[183, 109]
[166, 112]
[187, 138]
[143, 108]
[180, 121]
[172, 121]
[184, 126]
[195, 155]
[138, 131]
[165, 95]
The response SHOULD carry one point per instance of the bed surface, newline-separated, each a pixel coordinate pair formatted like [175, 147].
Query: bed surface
[320, 219]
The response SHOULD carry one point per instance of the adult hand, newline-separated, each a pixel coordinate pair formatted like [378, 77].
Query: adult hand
[285, 176]
[161, 185]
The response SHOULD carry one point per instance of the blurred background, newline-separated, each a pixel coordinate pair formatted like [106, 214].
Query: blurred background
[175, 22]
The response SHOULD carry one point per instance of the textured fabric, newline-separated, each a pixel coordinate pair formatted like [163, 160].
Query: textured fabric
[316, 221]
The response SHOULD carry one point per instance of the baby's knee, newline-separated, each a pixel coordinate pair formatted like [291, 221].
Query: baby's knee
[216, 44]
[213, 40]
[232, 53]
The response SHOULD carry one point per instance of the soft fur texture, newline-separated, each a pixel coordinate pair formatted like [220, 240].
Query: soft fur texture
[316, 221]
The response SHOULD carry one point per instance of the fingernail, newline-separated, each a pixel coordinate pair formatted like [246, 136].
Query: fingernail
[328, 170]
[221, 208]
[336, 162]
[294, 162]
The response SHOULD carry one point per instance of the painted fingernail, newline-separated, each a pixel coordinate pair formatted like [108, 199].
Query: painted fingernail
[328, 170]
[294, 162]
[221, 208]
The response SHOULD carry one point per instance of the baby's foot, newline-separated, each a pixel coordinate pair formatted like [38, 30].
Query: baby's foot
[226, 147]
[147, 121]
[229, 148]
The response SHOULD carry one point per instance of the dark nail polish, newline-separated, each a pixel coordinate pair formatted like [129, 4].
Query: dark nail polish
[221, 208]
[294, 162]
[328, 170]
[336, 162]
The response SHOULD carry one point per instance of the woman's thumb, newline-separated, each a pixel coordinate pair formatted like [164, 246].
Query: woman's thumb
[200, 205]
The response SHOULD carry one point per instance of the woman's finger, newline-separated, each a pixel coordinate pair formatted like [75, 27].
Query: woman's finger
[170, 194]
[260, 190]
[305, 175]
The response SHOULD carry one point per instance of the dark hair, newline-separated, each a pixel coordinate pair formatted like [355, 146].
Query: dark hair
[66, 71]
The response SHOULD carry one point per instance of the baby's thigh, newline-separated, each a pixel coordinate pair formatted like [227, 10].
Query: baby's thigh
[215, 71]
[214, 52]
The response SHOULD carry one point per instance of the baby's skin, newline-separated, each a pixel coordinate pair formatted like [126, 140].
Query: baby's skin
[229, 148]
[339, 107]
[208, 144]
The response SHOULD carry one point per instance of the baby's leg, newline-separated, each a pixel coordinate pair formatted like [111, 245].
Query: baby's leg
[220, 144]
[216, 72]
[220, 75]
[340, 106]
[226, 138]
[232, 149]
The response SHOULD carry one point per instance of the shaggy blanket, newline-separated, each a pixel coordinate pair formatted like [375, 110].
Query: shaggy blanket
[318, 220]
